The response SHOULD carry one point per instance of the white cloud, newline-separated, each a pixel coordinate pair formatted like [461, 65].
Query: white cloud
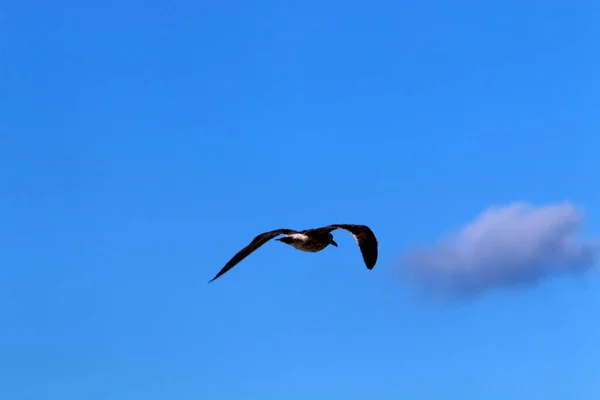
[513, 244]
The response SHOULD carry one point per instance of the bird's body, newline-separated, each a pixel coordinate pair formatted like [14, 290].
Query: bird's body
[312, 241]
[303, 242]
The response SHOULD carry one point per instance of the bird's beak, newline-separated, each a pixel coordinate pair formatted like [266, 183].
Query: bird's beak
[334, 243]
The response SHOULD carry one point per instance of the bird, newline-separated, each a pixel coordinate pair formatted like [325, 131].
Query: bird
[311, 240]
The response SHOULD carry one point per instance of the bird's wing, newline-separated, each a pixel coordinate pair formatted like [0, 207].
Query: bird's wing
[254, 244]
[364, 236]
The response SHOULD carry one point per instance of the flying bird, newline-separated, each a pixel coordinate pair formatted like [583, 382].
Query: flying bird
[311, 240]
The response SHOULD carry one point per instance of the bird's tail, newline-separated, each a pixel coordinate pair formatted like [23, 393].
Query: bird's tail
[286, 240]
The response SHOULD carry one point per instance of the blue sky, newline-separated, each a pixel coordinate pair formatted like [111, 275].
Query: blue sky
[143, 143]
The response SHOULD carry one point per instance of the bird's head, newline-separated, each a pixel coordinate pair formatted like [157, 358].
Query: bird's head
[331, 241]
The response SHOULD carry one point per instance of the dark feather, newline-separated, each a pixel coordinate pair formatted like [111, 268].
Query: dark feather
[367, 242]
[255, 244]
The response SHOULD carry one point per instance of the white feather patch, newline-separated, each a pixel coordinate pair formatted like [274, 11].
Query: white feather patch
[299, 236]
